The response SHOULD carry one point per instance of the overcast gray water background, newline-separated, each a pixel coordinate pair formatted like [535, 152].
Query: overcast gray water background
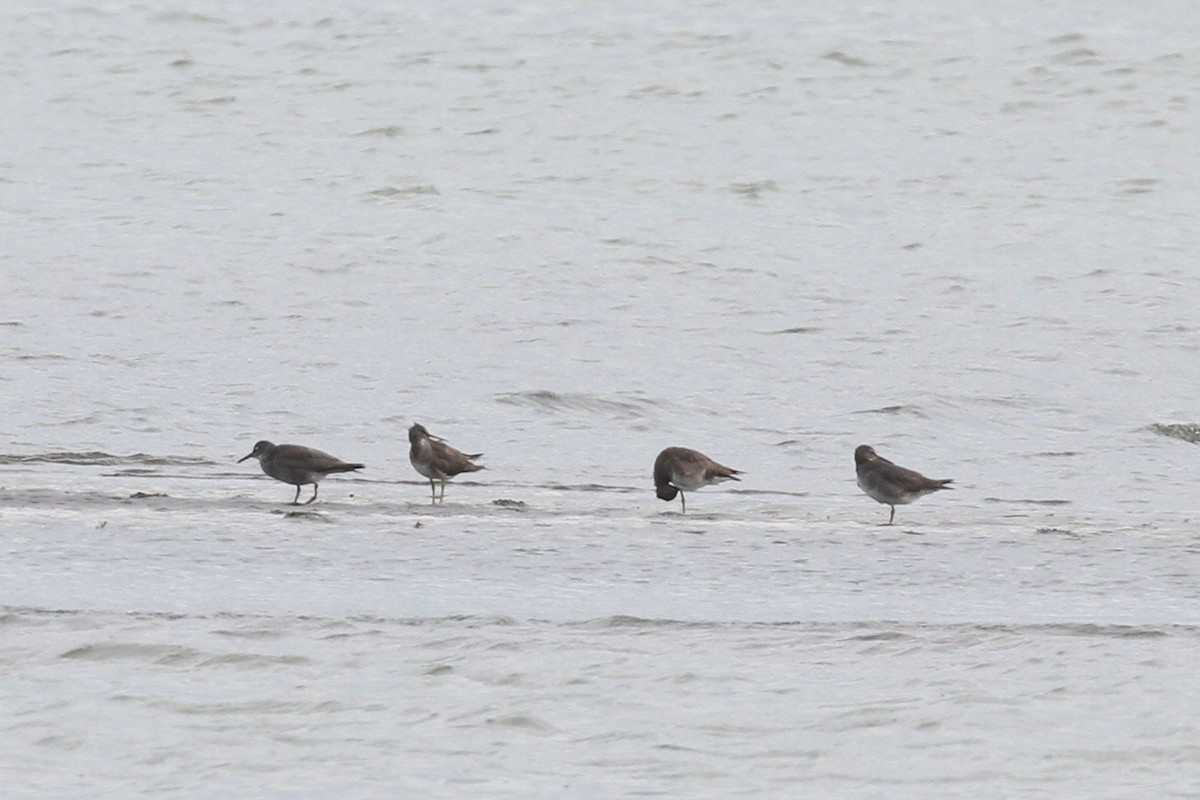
[569, 235]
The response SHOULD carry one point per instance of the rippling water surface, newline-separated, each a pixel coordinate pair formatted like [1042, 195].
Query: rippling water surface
[568, 236]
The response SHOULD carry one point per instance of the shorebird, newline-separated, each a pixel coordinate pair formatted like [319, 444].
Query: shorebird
[889, 483]
[297, 465]
[436, 460]
[679, 468]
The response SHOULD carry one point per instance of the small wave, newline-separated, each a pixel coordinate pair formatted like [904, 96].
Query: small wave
[42, 357]
[799, 329]
[314, 516]
[1056, 532]
[97, 458]
[1187, 431]
[1098, 629]
[186, 17]
[505, 502]
[916, 412]
[847, 60]
[1028, 501]
[588, 487]
[897, 631]
[265, 624]
[399, 191]
[177, 655]
[545, 399]
[236, 626]
[238, 708]
[880, 636]
[523, 722]
[1077, 55]
[133, 651]
[252, 660]
[753, 190]
[1137, 185]
[630, 621]
[388, 131]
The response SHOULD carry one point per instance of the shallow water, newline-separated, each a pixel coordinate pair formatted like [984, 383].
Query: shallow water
[567, 238]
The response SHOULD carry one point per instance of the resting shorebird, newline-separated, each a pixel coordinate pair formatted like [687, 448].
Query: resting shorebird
[679, 468]
[297, 465]
[890, 484]
[436, 460]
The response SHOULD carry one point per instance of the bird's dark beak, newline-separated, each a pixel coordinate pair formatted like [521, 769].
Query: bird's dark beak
[243, 458]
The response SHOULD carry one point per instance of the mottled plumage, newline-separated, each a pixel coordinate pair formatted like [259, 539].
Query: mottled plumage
[297, 465]
[436, 460]
[890, 484]
[679, 468]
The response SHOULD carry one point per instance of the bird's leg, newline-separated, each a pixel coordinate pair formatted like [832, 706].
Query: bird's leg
[296, 499]
[442, 497]
[892, 518]
[682, 504]
[432, 492]
[314, 497]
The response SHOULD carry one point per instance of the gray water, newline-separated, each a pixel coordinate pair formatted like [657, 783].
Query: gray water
[567, 236]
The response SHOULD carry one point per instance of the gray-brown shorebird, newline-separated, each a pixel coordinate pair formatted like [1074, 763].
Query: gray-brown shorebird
[297, 465]
[680, 468]
[890, 483]
[436, 460]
